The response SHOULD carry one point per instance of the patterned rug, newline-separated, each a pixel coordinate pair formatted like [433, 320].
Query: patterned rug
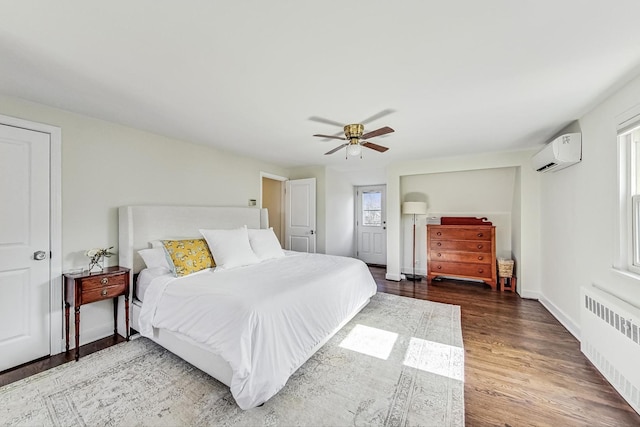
[400, 361]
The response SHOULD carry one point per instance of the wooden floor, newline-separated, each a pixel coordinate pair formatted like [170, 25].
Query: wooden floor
[522, 368]
[28, 369]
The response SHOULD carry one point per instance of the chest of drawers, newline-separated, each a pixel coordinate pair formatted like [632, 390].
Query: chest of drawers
[462, 251]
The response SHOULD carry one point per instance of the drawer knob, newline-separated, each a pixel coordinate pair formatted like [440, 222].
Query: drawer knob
[480, 270]
[479, 234]
[439, 254]
[480, 258]
[479, 246]
[104, 280]
[439, 244]
[439, 267]
[439, 233]
[104, 292]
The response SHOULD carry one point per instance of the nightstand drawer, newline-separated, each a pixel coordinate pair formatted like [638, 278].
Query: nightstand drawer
[105, 292]
[99, 282]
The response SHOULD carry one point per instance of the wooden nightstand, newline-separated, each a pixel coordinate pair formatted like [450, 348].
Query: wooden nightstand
[85, 288]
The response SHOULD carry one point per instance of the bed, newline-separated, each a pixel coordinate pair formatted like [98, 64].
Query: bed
[249, 327]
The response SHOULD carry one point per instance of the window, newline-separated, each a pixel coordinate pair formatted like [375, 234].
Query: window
[372, 208]
[629, 168]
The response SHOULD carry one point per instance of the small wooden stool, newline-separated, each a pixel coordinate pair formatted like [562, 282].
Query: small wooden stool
[507, 286]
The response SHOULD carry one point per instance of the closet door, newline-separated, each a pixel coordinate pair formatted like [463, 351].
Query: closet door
[300, 215]
[24, 246]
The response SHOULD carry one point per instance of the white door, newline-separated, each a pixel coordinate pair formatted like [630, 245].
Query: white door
[24, 246]
[300, 215]
[371, 224]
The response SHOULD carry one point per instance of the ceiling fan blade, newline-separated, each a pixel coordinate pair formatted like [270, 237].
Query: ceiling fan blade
[336, 149]
[382, 131]
[330, 136]
[325, 121]
[378, 116]
[376, 147]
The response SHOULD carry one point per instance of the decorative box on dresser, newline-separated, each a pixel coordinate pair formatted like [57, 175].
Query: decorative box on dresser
[462, 251]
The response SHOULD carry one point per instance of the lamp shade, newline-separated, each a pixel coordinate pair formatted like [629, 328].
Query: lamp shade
[414, 208]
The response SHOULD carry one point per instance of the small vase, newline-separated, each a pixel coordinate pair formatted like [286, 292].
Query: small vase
[96, 266]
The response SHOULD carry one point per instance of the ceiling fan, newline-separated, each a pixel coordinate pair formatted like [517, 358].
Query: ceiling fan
[357, 139]
[354, 134]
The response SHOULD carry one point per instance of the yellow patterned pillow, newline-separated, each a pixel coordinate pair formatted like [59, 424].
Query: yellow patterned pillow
[189, 256]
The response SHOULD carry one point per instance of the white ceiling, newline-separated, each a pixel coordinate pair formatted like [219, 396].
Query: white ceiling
[459, 76]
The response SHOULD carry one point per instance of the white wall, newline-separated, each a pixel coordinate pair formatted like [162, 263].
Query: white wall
[105, 166]
[341, 206]
[579, 215]
[526, 250]
[335, 205]
[340, 213]
[478, 193]
[516, 221]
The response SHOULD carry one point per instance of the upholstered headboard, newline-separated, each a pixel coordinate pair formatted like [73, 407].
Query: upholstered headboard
[140, 225]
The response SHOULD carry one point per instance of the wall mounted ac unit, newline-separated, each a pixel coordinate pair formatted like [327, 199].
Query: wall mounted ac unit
[565, 150]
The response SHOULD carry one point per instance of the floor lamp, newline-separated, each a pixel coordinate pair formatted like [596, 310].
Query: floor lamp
[414, 208]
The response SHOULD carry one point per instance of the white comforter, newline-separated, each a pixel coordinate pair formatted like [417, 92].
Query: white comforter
[263, 319]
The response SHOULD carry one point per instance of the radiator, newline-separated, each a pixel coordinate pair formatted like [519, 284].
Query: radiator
[610, 330]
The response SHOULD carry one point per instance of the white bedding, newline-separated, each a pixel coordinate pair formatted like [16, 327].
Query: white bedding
[262, 319]
[147, 276]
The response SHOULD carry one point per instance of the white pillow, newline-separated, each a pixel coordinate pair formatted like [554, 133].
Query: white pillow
[155, 257]
[230, 248]
[265, 244]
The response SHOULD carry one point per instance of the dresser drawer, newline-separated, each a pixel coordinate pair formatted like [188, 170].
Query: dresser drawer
[458, 233]
[457, 269]
[101, 293]
[99, 282]
[466, 257]
[461, 245]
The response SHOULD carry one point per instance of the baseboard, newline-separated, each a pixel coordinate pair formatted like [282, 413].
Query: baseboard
[86, 337]
[565, 320]
[530, 295]
[394, 277]
[419, 271]
[91, 335]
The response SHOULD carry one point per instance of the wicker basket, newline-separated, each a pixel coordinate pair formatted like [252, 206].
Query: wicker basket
[505, 267]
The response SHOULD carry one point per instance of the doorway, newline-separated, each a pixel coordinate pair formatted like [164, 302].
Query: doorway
[371, 224]
[272, 200]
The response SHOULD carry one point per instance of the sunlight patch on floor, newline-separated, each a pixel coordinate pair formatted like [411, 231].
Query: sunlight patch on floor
[437, 358]
[370, 341]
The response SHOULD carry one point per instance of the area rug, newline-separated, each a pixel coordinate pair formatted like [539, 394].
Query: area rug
[399, 362]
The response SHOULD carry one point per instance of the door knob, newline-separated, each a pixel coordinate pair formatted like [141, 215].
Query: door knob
[312, 232]
[39, 255]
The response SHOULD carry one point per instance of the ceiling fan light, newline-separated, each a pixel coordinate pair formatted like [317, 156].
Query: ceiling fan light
[354, 149]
